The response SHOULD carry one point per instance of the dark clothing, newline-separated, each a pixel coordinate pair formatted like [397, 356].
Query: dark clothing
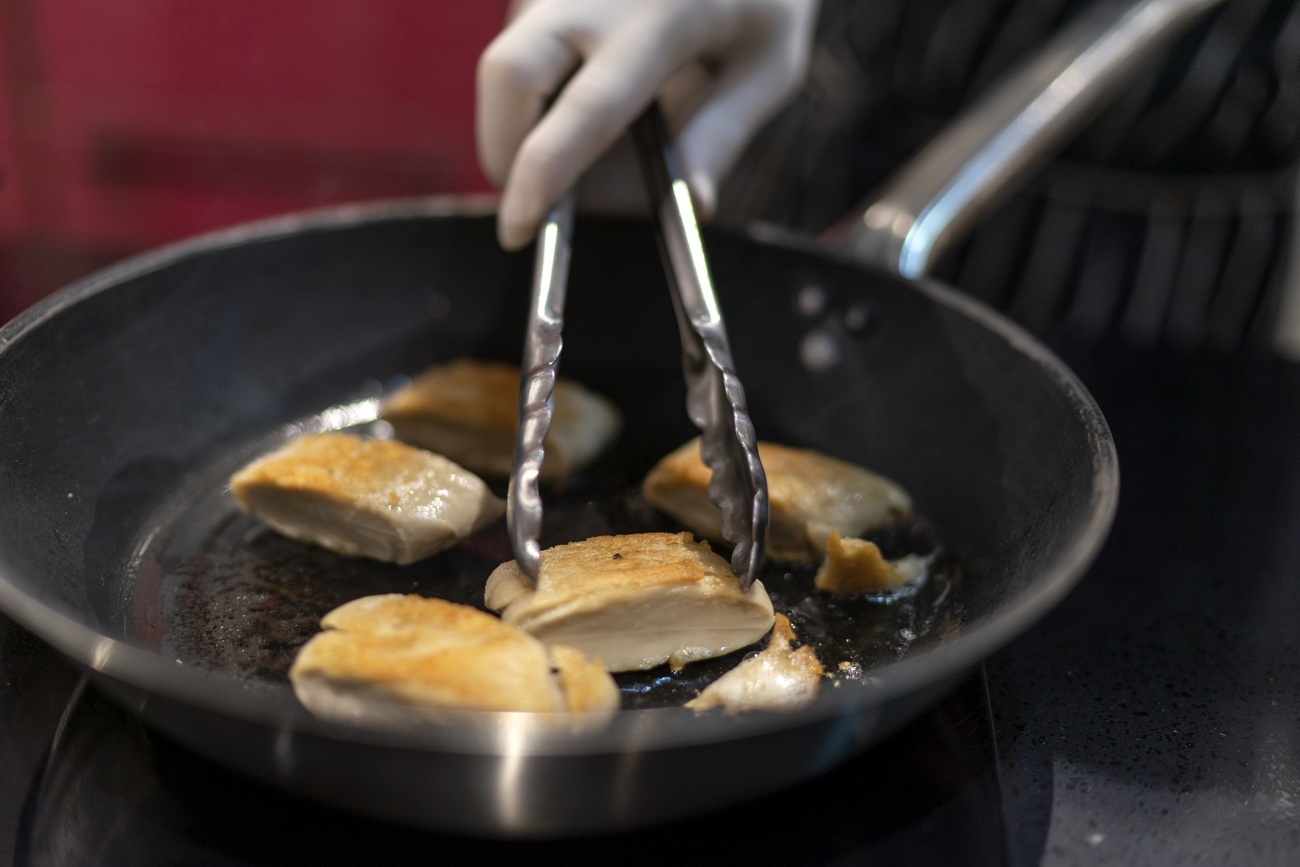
[1168, 218]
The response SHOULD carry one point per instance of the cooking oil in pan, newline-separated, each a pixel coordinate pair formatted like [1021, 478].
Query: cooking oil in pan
[220, 590]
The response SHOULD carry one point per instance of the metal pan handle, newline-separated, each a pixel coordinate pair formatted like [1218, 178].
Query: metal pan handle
[990, 150]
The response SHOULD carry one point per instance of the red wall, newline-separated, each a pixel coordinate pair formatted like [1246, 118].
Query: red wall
[134, 122]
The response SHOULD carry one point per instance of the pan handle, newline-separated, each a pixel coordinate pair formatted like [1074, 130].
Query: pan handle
[990, 150]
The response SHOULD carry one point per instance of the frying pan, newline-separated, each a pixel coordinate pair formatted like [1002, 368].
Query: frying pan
[129, 398]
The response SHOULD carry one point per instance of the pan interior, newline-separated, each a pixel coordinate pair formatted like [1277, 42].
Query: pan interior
[218, 590]
[126, 412]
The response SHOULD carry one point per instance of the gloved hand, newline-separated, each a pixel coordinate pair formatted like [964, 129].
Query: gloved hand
[719, 67]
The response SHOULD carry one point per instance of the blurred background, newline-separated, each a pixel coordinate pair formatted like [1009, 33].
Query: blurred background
[130, 124]
[1169, 220]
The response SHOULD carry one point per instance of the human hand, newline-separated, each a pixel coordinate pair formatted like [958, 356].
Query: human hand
[720, 68]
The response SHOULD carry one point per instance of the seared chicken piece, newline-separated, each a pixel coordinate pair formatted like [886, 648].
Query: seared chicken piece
[810, 494]
[776, 679]
[404, 659]
[634, 601]
[857, 566]
[365, 498]
[466, 410]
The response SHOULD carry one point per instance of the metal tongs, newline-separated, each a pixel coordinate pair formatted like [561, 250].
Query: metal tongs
[715, 399]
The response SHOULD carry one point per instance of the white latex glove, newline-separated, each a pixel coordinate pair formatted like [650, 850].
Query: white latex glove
[721, 68]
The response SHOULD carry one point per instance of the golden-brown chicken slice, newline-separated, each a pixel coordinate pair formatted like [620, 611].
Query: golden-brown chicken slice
[405, 659]
[466, 410]
[810, 495]
[778, 679]
[634, 601]
[365, 497]
[857, 566]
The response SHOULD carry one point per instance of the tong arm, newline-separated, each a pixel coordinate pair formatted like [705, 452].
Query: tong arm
[715, 399]
[542, 346]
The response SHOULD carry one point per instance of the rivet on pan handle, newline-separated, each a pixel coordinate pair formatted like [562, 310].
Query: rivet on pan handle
[542, 346]
[715, 399]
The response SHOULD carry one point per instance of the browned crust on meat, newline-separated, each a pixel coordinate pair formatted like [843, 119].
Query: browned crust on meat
[854, 566]
[466, 409]
[609, 569]
[334, 465]
[465, 391]
[802, 484]
[431, 652]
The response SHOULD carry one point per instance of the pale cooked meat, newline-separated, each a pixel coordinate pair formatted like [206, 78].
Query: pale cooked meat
[857, 566]
[634, 601]
[405, 659]
[810, 494]
[466, 410]
[395, 654]
[778, 679]
[365, 497]
[585, 683]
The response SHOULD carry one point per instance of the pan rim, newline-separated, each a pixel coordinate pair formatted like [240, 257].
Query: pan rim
[504, 733]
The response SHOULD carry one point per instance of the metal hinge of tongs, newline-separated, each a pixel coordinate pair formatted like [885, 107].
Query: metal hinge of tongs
[715, 399]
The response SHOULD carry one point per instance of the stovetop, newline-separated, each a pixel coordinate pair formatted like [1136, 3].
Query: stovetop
[1154, 718]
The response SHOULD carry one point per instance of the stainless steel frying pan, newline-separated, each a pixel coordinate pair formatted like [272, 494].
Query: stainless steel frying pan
[130, 397]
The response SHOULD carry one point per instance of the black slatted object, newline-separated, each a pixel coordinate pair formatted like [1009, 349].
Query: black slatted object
[1180, 187]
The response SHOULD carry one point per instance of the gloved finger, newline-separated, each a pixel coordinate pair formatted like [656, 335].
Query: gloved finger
[606, 94]
[614, 183]
[517, 73]
[683, 93]
[749, 90]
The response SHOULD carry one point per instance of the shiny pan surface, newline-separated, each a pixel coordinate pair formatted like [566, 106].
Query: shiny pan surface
[129, 397]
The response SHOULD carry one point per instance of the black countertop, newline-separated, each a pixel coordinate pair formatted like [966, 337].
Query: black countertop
[1154, 718]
